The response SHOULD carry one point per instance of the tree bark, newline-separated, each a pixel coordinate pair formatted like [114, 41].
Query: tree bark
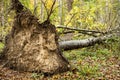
[35, 6]
[75, 44]
[60, 11]
[2, 13]
[42, 12]
[33, 46]
[69, 4]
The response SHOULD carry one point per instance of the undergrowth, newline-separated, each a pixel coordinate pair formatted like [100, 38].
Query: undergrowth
[96, 62]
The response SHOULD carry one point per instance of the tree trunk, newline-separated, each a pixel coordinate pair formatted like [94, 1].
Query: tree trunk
[42, 12]
[60, 11]
[32, 46]
[75, 44]
[69, 4]
[2, 14]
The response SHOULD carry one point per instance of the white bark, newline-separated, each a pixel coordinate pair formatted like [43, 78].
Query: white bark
[60, 10]
[42, 11]
[69, 5]
[35, 3]
[75, 44]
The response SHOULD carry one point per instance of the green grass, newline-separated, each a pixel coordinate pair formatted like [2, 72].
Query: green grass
[92, 60]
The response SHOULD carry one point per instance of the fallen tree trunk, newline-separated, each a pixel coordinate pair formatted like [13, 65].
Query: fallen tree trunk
[75, 44]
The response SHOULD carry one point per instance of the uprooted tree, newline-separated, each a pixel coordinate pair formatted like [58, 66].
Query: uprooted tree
[33, 46]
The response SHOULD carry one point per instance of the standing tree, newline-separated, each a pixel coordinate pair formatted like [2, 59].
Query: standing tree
[69, 4]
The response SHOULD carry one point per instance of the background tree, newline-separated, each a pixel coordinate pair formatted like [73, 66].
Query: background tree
[69, 4]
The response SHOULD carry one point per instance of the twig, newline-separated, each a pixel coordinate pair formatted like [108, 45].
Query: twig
[51, 11]
[45, 7]
[34, 11]
[71, 19]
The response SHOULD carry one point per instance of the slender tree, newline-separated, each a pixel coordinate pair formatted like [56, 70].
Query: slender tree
[69, 4]
[42, 12]
[60, 11]
[2, 13]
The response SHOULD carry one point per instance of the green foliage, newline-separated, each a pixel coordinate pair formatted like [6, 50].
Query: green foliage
[92, 14]
[86, 14]
[28, 4]
[1, 46]
[114, 45]
[87, 70]
[37, 76]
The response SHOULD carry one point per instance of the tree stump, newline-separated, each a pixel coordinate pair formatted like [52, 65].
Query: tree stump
[33, 46]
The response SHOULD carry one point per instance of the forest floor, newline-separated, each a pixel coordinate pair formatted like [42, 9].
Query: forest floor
[87, 64]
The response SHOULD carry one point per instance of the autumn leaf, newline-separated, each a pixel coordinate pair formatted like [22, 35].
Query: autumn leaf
[49, 4]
